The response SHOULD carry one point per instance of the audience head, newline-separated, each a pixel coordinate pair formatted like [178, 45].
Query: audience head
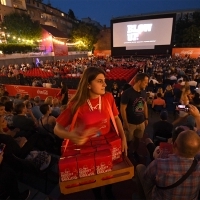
[159, 95]
[63, 85]
[18, 96]
[169, 87]
[2, 109]
[20, 108]
[4, 99]
[9, 106]
[160, 90]
[28, 104]
[37, 99]
[26, 97]
[114, 85]
[49, 100]
[177, 131]
[187, 144]
[44, 108]
[55, 102]
[142, 80]
[164, 115]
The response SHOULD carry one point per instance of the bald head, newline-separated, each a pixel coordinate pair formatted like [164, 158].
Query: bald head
[188, 144]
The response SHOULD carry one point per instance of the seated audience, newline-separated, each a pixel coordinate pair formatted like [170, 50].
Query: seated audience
[168, 91]
[47, 122]
[4, 99]
[21, 121]
[55, 110]
[18, 99]
[49, 100]
[158, 102]
[9, 114]
[186, 149]
[36, 108]
[46, 127]
[163, 128]
[163, 172]
[9, 183]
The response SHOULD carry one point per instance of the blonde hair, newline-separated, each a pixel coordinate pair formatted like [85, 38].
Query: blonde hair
[49, 100]
[160, 90]
[55, 102]
[82, 92]
[184, 95]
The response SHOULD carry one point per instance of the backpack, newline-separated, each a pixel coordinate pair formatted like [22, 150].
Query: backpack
[40, 159]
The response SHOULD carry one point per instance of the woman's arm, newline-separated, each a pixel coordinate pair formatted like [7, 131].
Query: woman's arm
[77, 135]
[121, 134]
[52, 121]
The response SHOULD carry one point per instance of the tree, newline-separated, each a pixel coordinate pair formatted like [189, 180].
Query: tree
[85, 36]
[188, 30]
[71, 14]
[21, 26]
[191, 36]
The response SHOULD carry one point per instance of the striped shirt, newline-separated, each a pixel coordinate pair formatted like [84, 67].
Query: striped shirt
[165, 172]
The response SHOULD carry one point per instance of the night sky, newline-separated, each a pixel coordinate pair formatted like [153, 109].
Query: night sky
[103, 10]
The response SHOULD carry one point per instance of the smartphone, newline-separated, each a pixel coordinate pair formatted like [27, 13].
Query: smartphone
[183, 108]
[2, 147]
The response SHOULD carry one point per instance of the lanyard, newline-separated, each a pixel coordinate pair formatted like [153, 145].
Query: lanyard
[93, 108]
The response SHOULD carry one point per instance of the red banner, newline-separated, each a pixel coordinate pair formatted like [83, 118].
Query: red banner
[182, 52]
[35, 91]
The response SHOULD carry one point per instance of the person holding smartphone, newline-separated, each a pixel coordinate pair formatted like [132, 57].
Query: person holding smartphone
[8, 181]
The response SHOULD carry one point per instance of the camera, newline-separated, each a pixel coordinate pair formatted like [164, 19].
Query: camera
[183, 108]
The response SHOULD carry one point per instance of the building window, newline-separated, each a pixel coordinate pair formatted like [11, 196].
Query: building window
[62, 14]
[38, 4]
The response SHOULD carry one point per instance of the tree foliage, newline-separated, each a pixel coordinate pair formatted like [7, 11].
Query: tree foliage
[21, 26]
[188, 31]
[85, 35]
[71, 14]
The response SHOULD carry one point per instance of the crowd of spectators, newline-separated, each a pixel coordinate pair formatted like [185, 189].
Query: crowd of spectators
[172, 82]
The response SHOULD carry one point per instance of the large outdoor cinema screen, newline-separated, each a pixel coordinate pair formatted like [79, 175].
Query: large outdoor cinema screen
[142, 34]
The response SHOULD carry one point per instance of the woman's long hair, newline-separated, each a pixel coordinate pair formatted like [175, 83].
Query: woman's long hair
[82, 92]
[64, 86]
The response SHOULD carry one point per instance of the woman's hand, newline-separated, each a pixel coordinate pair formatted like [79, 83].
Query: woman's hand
[80, 136]
[193, 110]
[124, 146]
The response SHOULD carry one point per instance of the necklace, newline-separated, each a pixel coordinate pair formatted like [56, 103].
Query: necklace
[95, 107]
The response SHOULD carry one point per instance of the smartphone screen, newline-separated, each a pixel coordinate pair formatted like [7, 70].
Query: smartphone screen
[181, 106]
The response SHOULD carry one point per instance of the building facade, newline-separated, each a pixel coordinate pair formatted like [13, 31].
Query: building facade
[45, 14]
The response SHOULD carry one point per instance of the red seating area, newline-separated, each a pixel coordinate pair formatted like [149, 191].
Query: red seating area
[37, 72]
[121, 74]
